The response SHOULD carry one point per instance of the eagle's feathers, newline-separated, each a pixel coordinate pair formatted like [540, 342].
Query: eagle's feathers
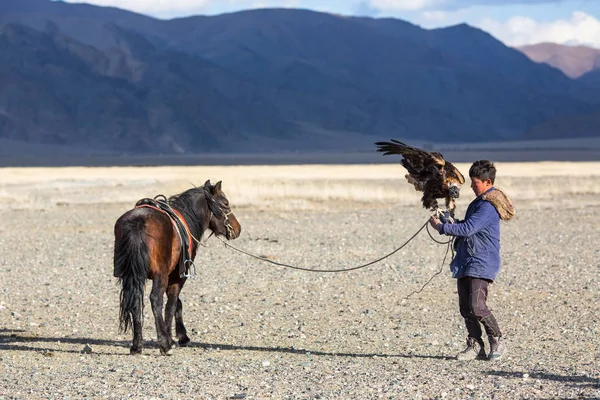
[428, 172]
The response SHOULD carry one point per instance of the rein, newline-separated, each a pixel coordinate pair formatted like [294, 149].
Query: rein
[327, 270]
[449, 248]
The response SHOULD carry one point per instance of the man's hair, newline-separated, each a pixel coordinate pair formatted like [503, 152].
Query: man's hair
[483, 170]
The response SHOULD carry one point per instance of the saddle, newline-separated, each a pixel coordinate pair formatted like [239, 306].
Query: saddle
[160, 203]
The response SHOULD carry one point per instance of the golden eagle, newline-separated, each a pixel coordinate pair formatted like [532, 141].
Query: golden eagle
[429, 173]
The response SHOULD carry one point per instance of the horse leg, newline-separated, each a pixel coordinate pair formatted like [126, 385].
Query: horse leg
[136, 347]
[180, 330]
[159, 287]
[179, 327]
[172, 304]
[174, 308]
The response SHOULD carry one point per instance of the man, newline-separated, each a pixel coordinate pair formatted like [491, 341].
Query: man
[477, 260]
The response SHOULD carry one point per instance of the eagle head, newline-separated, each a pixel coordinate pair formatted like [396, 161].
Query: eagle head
[454, 191]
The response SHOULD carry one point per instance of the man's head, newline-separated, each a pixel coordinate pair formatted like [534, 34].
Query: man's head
[483, 175]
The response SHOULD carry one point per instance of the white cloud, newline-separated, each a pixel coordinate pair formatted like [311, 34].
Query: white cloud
[155, 7]
[435, 16]
[180, 8]
[267, 3]
[581, 28]
[405, 5]
[448, 5]
[439, 17]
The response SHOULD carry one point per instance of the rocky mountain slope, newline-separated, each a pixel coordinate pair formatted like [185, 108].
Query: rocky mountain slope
[264, 80]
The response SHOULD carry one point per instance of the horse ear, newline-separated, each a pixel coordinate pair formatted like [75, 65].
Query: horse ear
[218, 187]
[207, 185]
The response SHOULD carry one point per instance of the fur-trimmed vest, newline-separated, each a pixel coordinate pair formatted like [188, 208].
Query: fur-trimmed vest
[501, 203]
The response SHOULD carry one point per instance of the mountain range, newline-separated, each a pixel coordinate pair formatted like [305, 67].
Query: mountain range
[574, 61]
[267, 80]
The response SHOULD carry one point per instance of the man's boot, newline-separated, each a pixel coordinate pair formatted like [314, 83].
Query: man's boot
[475, 350]
[497, 348]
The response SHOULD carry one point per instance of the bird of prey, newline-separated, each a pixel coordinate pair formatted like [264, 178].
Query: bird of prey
[429, 173]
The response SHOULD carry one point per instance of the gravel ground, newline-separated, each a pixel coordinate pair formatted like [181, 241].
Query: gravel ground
[264, 332]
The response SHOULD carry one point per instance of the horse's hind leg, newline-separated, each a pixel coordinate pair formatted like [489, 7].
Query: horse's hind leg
[179, 327]
[159, 286]
[136, 347]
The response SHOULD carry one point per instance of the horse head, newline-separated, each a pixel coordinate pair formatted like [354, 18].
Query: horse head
[222, 221]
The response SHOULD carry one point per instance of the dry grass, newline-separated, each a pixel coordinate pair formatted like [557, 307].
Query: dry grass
[284, 187]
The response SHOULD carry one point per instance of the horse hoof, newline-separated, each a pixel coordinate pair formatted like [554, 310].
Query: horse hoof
[168, 352]
[135, 350]
[184, 341]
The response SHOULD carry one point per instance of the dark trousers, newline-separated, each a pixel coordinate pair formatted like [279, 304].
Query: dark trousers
[472, 297]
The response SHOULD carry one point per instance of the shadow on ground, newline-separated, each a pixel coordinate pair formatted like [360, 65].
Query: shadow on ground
[14, 340]
[581, 381]
[294, 350]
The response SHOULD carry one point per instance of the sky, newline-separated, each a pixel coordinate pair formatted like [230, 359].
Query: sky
[514, 22]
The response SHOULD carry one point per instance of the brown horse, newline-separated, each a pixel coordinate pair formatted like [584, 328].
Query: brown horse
[150, 245]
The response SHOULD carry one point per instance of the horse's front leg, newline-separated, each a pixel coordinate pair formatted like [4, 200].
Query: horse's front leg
[173, 309]
[159, 287]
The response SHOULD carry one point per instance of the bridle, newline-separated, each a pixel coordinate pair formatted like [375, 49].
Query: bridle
[217, 209]
[227, 222]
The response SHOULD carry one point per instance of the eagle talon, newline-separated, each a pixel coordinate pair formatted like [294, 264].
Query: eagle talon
[445, 217]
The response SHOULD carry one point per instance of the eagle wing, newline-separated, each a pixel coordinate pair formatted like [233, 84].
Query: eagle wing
[415, 160]
[453, 174]
[427, 171]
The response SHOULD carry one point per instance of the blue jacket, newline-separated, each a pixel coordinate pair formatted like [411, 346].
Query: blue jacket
[478, 236]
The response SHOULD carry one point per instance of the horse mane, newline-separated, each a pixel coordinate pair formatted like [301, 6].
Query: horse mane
[185, 203]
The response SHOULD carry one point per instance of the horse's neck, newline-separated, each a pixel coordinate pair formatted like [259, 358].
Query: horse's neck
[197, 222]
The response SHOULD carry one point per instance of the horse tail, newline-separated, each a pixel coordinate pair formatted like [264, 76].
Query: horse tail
[131, 265]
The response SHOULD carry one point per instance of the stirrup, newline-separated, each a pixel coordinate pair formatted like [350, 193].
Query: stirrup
[188, 263]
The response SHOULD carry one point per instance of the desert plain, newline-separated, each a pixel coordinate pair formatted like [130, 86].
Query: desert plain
[260, 331]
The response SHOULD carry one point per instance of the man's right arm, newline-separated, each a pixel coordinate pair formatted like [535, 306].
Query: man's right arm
[480, 218]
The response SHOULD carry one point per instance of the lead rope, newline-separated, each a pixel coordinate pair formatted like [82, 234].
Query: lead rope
[324, 270]
[449, 248]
